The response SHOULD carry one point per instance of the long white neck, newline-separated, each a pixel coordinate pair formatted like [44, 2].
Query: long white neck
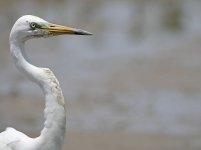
[52, 135]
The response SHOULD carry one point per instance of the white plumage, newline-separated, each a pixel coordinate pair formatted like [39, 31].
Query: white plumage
[52, 135]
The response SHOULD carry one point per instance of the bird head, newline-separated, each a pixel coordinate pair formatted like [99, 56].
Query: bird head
[28, 26]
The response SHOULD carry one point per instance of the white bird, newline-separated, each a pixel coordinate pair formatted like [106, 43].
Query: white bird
[53, 133]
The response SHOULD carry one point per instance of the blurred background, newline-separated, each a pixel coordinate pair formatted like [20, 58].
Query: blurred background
[134, 84]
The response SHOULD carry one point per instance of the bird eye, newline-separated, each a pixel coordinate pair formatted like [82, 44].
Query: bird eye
[33, 25]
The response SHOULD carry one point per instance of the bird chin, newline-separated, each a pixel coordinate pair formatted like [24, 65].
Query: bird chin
[44, 34]
[47, 35]
[50, 34]
[41, 35]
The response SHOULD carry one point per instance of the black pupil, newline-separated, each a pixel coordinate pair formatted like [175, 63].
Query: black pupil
[33, 25]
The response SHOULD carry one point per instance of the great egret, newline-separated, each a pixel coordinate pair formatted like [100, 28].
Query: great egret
[52, 135]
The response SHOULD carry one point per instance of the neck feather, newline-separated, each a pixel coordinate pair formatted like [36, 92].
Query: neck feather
[52, 135]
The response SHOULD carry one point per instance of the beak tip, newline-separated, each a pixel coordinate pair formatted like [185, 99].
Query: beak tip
[83, 32]
[89, 33]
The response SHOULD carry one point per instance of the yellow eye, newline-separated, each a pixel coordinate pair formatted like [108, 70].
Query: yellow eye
[33, 25]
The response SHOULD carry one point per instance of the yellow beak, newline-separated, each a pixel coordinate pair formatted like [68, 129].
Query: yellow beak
[59, 29]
